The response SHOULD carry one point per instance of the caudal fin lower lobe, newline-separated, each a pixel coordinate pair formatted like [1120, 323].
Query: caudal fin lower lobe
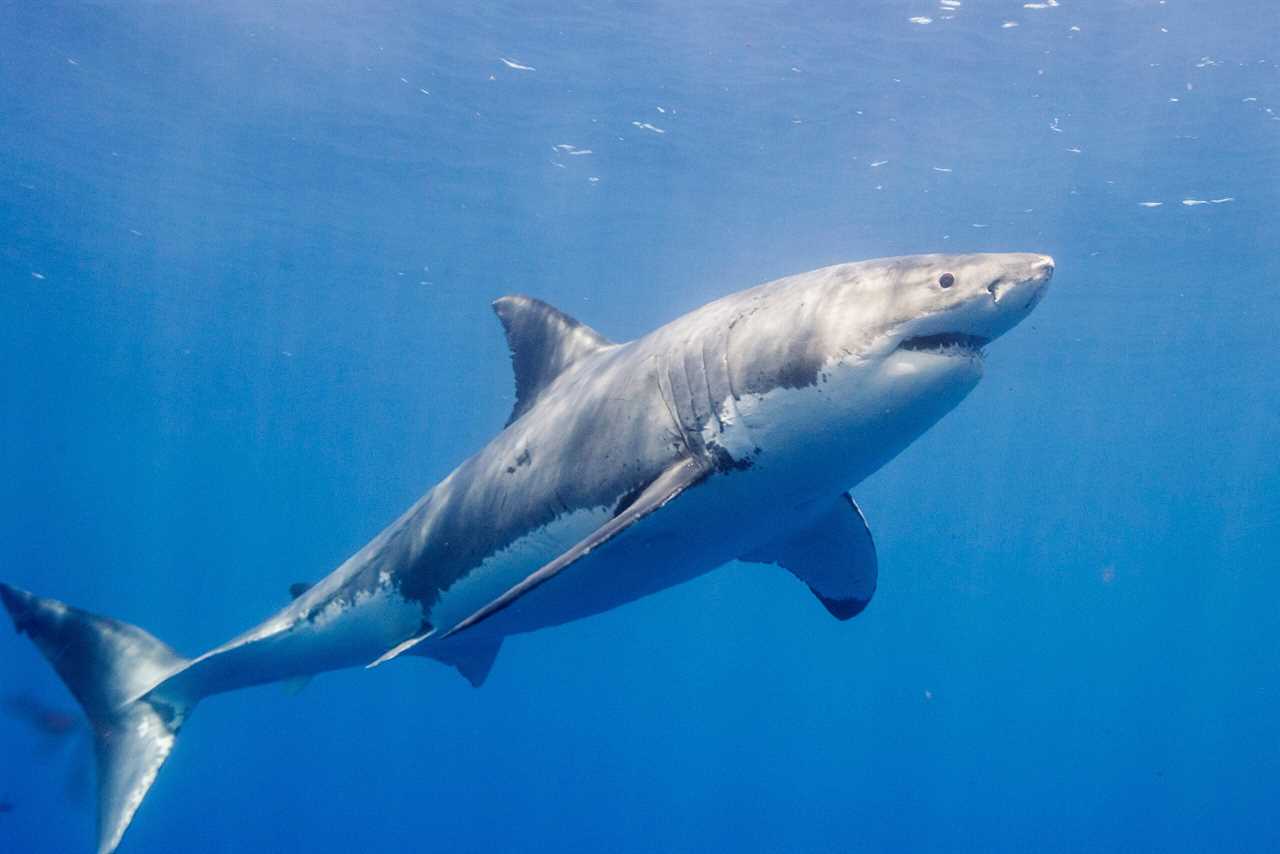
[109, 667]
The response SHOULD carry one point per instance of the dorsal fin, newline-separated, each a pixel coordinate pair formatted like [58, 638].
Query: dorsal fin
[543, 342]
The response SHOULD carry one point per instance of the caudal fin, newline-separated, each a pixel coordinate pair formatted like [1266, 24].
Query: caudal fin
[109, 666]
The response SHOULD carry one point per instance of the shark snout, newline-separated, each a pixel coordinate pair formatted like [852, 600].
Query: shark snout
[1028, 282]
[1042, 271]
[1038, 282]
[1016, 287]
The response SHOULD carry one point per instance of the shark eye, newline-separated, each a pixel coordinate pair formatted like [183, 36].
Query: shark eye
[946, 280]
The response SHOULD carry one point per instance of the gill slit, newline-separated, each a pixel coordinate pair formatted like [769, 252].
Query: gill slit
[706, 381]
[667, 394]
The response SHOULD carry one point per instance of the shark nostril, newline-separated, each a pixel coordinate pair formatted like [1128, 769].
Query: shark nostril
[994, 290]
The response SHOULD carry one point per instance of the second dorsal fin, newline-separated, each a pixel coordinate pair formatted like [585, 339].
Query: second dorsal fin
[543, 342]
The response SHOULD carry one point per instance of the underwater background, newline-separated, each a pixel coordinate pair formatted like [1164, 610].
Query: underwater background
[246, 256]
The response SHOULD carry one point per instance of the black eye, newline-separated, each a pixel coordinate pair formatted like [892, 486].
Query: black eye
[946, 280]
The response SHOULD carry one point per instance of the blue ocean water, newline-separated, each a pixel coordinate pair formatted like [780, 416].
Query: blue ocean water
[246, 256]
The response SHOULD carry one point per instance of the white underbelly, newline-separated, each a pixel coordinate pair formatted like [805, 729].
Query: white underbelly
[504, 569]
[712, 523]
[804, 451]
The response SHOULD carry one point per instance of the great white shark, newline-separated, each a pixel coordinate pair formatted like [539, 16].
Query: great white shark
[731, 433]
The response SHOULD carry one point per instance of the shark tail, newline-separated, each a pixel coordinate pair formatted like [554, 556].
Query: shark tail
[110, 667]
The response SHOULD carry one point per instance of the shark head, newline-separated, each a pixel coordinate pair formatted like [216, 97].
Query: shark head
[857, 360]
[943, 307]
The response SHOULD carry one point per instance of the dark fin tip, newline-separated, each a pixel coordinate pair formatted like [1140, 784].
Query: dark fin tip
[843, 609]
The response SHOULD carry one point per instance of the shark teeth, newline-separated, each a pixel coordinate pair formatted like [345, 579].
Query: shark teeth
[946, 343]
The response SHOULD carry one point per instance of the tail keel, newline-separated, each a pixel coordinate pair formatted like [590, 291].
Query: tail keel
[109, 667]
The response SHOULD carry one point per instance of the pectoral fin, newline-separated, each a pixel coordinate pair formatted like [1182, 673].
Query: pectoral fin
[663, 489]
[835, 556]
[425, 631]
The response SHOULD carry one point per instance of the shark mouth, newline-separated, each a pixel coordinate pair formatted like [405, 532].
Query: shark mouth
[946, 344]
